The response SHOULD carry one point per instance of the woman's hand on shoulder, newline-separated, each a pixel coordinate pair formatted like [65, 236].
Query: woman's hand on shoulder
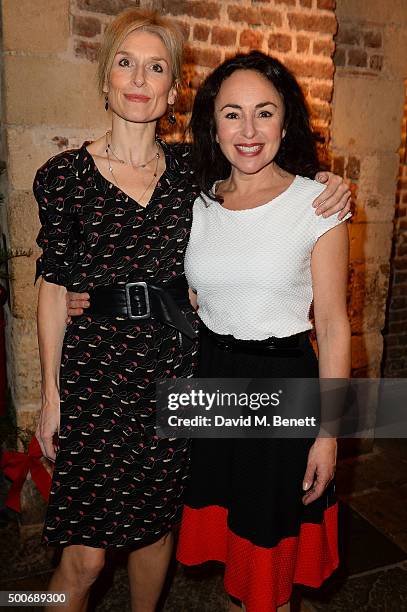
[48, 427]
[335, 198]
[320, 468]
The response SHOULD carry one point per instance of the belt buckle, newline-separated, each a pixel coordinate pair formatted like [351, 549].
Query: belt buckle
[130, 314]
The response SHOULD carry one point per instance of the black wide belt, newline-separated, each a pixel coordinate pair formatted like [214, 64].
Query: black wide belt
[142, 299]
[291, 345]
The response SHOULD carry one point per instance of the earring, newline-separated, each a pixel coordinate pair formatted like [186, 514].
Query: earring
[106, 103]
[172, 120]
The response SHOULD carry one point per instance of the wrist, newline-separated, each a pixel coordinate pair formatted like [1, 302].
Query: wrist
[50, 396]
[326, 440]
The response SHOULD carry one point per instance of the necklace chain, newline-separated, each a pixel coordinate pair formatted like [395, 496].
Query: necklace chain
[122, 161]
[109, 149]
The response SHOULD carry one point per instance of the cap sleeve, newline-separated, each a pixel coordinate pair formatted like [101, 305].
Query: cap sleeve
[323, 225]
[58, 236]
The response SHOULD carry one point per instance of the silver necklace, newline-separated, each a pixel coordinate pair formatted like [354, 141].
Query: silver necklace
[110, 149]
[156, 157]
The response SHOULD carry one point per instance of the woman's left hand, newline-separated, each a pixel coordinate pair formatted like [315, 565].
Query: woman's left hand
[335, 198]
[320, 468]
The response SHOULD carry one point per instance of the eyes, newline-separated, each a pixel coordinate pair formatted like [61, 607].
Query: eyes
[125, 62]
[263, 114]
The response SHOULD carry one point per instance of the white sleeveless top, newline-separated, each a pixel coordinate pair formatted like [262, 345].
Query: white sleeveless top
[251, 268]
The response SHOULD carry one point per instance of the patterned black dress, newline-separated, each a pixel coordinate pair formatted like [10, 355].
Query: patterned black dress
[115, 483]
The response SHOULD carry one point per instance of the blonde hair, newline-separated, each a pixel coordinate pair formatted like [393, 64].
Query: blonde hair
[146, 21]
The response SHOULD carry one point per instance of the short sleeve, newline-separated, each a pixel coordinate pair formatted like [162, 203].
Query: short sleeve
[58, 236]
[323, 225]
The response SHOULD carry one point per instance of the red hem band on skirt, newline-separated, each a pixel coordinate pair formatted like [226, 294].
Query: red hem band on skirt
[260, 577]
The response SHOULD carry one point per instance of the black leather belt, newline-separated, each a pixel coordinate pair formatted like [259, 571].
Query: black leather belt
[291, 345]
[142, 299]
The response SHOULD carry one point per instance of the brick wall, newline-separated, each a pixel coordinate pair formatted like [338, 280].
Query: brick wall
[359, 47]
[299, 32]
[395, 339]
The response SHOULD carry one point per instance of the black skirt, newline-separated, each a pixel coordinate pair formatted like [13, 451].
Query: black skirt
[243, 503]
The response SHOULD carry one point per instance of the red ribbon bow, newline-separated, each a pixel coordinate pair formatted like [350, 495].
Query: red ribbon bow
[16, 467]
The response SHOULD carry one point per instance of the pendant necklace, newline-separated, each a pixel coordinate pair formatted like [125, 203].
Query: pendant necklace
[109, 149]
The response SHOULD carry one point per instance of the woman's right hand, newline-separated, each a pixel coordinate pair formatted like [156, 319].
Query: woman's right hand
[48, 429]
[76, 303]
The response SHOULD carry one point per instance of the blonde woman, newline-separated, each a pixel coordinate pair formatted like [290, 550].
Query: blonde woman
[116, 212]
[116, 217]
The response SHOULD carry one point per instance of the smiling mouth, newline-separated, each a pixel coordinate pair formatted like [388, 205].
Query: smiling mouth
[136, 98]
[249, 149]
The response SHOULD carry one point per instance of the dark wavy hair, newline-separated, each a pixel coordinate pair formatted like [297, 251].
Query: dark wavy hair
[297, 153]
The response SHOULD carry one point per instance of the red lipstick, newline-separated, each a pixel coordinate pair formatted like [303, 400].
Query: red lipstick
[249, 149]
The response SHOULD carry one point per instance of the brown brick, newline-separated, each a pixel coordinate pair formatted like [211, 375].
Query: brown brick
[348, 36]
[397, 373]
[401, 211]
[223, 36]
[399, 291]
[310, 68]
[61, 141]
[376, 62]
[353, 168]
[400, 278]
[87, 50]
[251, 38]
[400, 263]
[279, 42]
[320, 111]
[391, 340]
[321, 91]
[184, 27]
[313, 23]
[253, 16]
[202, 57]
[198, 8]
[109, 7]
[286, 2]
[396, 326]
[326, 5]
[201, 32]
[395, 352]
[306, 3]
[373, 39]
[357, 57]
[339, 57]
[86, 26]
[338, 165]
[323, 47]
[302, 44]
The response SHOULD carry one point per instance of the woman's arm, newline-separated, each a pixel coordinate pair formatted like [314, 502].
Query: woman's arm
[329, 266]
[51, 316]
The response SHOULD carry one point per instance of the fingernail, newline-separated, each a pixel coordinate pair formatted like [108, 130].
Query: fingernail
[306, 486]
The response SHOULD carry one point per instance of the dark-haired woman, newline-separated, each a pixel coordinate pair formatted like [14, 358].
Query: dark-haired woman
[257, 257]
